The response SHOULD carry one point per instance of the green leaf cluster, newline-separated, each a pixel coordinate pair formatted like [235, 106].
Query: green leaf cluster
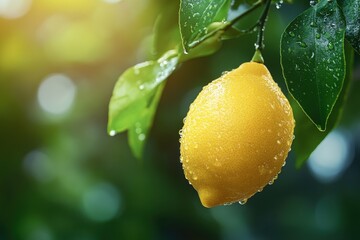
[315, 66]
[137, 92]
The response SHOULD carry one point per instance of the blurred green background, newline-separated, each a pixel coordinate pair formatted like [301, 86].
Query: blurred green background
[63, 177]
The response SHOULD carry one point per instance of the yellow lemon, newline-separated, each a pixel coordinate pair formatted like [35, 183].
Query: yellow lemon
[236, 136]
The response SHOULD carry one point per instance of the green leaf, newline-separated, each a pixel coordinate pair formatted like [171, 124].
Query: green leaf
[312, 59]
[351, 10]
[139, 131]
[195, 16]
[166, 34]
[135, 89]
[307, 136]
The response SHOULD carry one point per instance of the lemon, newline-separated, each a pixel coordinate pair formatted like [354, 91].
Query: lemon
[236, 136]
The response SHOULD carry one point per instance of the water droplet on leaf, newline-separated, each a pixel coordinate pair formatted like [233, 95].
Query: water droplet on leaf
[242, 202]
[302, 44]
[312, 3]
[279, 4]
[142, 137]
[330, 46]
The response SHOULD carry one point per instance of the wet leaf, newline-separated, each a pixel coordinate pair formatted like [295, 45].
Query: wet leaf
[351, 10]
[139, 131]
[135, 93]
[312, 58]
[307, 136]
[196, 16]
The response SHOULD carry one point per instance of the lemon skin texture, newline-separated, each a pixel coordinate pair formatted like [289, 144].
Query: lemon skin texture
[236, 136]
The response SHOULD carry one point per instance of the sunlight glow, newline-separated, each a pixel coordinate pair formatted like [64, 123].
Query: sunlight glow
[14, 8]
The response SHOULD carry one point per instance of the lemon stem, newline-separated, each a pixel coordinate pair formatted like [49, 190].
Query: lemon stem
[251, 9]
[259, 45]
[258, 57]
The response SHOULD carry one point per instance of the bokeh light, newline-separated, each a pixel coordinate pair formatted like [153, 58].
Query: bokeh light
[14, 8]
[101, 202]
[331, 157]
[56, 94]
[38, 165]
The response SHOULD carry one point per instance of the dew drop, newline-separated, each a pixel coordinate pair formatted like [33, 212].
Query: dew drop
[302, 44]
[292, 34]
[330, 46]
[279, 4]
[284, 164]
[112, 133]
[164, 63]
[196, 14]
[141, 87]
[138, 130]
[142, 137]
[317, 35]
[312, 3]
[242, 202]
[278, 142]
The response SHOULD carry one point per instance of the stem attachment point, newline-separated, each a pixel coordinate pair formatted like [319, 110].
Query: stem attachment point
[258, 57]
